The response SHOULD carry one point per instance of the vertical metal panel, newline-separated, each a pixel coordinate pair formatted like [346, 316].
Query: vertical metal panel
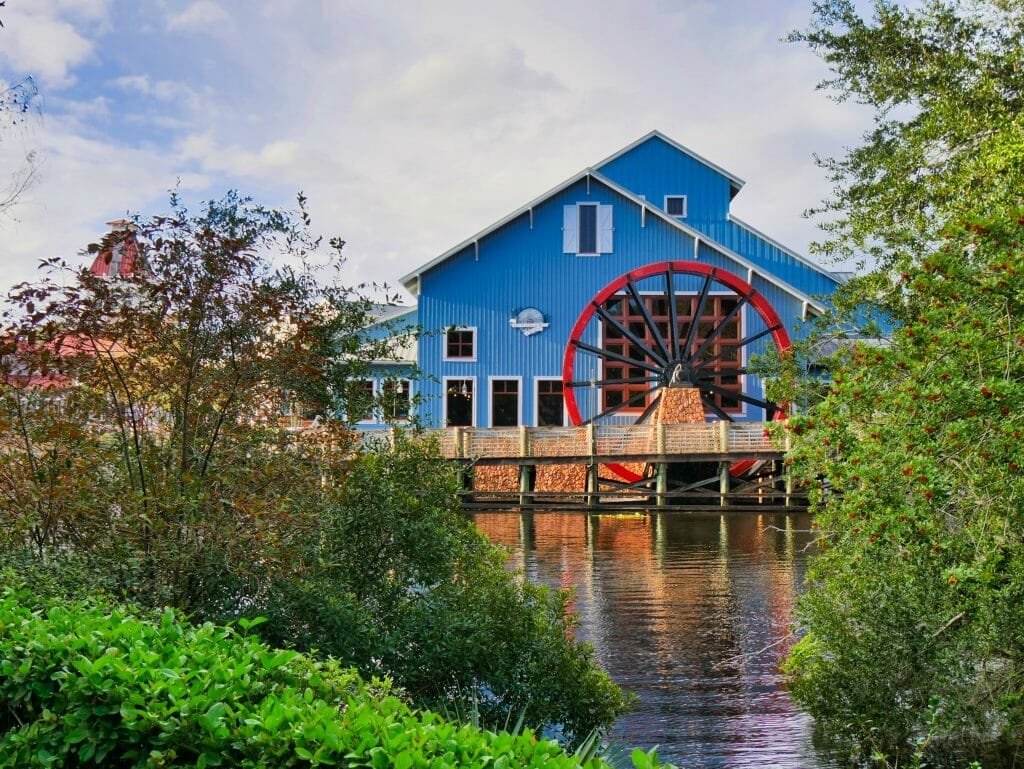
[522, 265]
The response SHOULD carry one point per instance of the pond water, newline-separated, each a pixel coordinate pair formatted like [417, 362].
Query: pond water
[691, 612]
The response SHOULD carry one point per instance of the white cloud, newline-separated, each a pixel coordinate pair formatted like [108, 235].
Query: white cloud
[200, 16]
[38, 42]
[407, 136]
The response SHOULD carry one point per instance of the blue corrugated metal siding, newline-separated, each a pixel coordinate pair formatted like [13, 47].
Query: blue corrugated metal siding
[516, 267]
[656, 169]
[520, 265]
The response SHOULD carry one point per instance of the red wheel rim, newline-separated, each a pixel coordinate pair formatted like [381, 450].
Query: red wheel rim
[671, 351]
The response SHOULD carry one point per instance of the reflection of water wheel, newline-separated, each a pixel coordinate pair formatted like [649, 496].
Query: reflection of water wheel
[669, 324]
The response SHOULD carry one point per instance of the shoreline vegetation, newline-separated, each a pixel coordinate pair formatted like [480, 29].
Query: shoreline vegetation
[91, 683]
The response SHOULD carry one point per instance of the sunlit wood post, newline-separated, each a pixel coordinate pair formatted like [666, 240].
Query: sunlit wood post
[592, 467]
[459, 450]
[524, 469]
[723, 482]
[662, 479]
[786, 471]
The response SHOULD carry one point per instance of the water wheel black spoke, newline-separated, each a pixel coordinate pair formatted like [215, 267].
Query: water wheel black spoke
[691, 335]
[659, 341]
[673, 314]
[609, 318]
[599, 382]
[717, 330]
[742, 343]
[709, 402]
[766, 405]
[649, 410]
[616, 357]
[651, 325]
[637, 396]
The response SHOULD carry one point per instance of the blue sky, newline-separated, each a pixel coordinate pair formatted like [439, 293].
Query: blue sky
[410, 126]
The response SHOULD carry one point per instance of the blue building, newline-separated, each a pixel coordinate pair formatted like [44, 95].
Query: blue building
[584, 303]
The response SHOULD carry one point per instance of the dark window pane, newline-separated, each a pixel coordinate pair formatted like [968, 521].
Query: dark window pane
[459, 343]
[459, 401]
[588, 229]
[360, 406]
[396, 400]
[550, 404]
[676, 205]
[504, 402]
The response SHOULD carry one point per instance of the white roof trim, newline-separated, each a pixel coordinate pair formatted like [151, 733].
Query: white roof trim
[725, 251]
[787, 251]
[409, 280]
[406, 280]
[736, 181]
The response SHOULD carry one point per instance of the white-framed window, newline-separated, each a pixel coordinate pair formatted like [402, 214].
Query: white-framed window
[506, 401]
[460, 343]
[459, 401]
[587, 229]
[396, 399]
[675, 205]
[359, 406]
[549, 402]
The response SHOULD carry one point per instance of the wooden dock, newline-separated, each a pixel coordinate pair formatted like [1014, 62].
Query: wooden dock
[706, 466]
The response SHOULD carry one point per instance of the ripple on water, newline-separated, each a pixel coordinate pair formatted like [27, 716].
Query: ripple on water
[691, 613]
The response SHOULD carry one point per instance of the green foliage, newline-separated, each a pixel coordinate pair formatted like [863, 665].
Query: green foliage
[93, 684]
[157, 473]
[913, 613]
[156, 455]
[917, 601]
[396, 582]
[945, 79]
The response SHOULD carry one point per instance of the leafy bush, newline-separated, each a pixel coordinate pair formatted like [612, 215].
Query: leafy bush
[161, 477]
[89, 683]
[397, 582]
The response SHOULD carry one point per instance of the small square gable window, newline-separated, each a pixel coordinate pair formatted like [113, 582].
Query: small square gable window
[587, 229]
[675, 205]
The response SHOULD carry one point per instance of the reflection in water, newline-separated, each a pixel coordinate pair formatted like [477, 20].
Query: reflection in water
[690, 612]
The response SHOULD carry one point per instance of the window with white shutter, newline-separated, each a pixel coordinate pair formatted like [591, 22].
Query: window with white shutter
[587, 229]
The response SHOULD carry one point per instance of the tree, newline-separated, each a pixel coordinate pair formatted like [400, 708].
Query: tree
[170, 380]
[946, 82]
[913, 642]
[17, 100]
[142, 457]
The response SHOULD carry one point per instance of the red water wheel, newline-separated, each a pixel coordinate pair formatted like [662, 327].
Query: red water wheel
[669, 324]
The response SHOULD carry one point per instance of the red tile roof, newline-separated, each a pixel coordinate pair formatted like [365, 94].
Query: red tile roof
[123, 257]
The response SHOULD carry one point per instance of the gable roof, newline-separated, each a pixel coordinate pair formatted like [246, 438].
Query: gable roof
[409, 280]
[735, 182]
[700, 237]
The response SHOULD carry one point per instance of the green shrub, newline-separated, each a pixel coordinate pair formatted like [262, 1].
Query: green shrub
[89, 683]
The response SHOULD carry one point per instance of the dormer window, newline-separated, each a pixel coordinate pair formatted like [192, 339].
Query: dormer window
[587, 229]
[675, 205]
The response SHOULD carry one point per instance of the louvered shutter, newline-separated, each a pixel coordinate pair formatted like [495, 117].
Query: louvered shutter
[604, 229]
[570, 230]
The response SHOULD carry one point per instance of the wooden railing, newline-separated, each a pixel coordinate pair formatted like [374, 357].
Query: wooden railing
[719, 438]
